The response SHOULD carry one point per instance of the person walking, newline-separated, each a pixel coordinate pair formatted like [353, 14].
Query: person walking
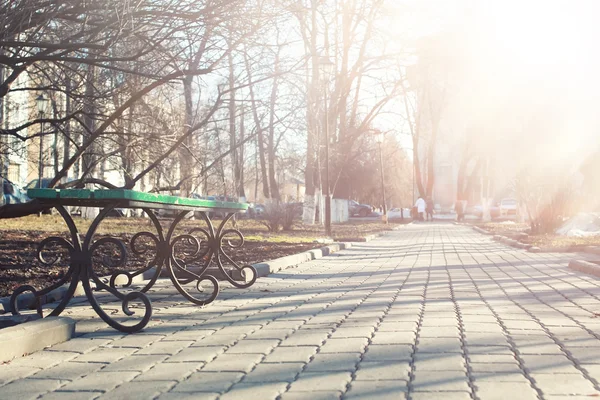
[421, 205]
[429, 208]
[460, 210]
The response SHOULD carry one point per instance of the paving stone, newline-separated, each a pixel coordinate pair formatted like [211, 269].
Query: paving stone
[548, 364]
[137, 362]
[270, 390]
[100, 381]
[585, 355]
[438, 332]
[29, 388]
[291, 354]
[567, 384]
[105, 355]
[381, 390]
[439, 345]
[69, 371]
[423, 395]
[491, 358]
[284, 372]
[44, 359]
[216, 340]
[169, 372]
[306, 337]
[196, 354]
[488, 350]
[505, 391]
[9, 372]
[203, 381]
[138, 390]
[314, 395]
[388, 353]
[331, 381]
[138, 341]
[593, 370]
[398, 337]
[326, 362]
[80, 345]
[58, 395]
[502, 376]
[383, 370]
[233, 363]
[162, 347]
[347, 345]
[353, 332]
[425, 380]
[279, 334]
[439, 362]
[253, 346]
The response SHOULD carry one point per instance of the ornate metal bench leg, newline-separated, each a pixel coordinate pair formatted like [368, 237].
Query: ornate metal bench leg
[81, 262]
[216, 241]
[139, 248]
[182, 250]
[91, 249]
[72, 275]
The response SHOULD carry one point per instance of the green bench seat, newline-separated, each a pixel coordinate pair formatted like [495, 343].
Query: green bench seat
[129, 199]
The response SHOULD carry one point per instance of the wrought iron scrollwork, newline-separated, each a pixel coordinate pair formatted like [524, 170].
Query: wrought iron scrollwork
[82, 256]
[191, 259]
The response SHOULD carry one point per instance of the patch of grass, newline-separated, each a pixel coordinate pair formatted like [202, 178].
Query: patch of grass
[551, 240]
[502, 228]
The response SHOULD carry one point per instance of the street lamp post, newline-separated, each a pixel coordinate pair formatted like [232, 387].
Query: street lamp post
[41, 103]
[325, 69]
[379, 139]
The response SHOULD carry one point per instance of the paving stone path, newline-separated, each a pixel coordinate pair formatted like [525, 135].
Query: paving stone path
[431, 311]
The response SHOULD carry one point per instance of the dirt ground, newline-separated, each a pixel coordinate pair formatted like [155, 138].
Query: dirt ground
[20, 238]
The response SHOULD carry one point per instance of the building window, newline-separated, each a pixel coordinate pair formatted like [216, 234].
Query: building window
[14, 173]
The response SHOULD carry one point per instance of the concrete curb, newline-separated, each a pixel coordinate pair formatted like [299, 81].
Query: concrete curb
[33, 336]
[480, 230]
[515, 243]
[270, 267]
[585, 267]
[592, 250]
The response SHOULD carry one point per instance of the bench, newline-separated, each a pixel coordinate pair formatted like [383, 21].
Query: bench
[192, 257]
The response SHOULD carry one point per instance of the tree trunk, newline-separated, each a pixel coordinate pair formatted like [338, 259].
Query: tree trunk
[232, 129]
[271, 143]
[185, 157]
[260, 139]
[89, 156]
[311, 170]
[240, 165]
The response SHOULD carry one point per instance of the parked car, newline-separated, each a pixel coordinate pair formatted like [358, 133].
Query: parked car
[356, 209]
[214, 214]
[259, 210]
[508, 207]
[12, 193]
[477, 210]
[45, 183]
[35, 183]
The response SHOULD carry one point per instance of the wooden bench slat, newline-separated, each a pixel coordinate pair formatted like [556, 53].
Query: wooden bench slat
[93, 197]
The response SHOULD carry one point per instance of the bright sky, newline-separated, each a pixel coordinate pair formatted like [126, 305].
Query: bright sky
[526, 70]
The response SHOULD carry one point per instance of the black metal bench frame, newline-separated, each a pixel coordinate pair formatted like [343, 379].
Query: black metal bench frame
[207, 250]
